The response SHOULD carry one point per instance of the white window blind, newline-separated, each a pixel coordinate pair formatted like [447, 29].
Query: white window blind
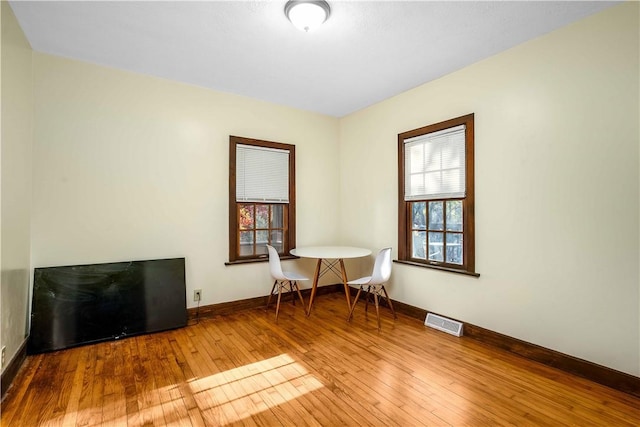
[262, 174]
[434, 165]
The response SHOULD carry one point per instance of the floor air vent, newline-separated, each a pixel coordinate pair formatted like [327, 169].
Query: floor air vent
[443, 324]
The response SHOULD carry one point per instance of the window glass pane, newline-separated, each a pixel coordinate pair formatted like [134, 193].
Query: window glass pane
[436, 218]
[262, 238]
[262, 216]
[419, 245]
[416, 183]
[433, 184]
[246, 243]
[418, 215]
[435, 246]
[415, 157]
[454, 215]
[451, 181]
[276, 240]
[277, 216]
[454, 248]
[246, 216]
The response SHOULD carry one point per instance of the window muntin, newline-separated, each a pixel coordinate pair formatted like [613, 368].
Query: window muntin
[261, 198]
[436, 195]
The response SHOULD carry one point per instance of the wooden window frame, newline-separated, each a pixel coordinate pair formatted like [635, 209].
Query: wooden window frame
[468, 204]
[289, 226]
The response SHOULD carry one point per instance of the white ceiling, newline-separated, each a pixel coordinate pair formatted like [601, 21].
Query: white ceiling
[366, 52]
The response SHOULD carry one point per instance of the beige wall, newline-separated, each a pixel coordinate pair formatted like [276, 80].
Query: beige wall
[557, 194]
[128, 166]
[16, 155]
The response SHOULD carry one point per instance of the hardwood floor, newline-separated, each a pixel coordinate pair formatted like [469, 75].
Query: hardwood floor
[246, 369]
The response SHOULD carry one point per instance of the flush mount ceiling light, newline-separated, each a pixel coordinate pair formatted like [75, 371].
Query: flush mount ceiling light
[307, 15]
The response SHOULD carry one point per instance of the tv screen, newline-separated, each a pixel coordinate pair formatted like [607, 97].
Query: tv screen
[81, 304]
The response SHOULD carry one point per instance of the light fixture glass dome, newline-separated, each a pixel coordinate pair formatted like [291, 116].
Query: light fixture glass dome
[307, 15]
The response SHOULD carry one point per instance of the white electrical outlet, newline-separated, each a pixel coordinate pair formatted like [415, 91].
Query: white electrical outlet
[197, 294]
[3, 348]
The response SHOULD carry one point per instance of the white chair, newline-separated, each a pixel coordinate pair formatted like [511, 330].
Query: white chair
[283, 280]
[374, 284]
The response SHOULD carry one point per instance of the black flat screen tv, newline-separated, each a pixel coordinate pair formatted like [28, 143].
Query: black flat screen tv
[82, 304]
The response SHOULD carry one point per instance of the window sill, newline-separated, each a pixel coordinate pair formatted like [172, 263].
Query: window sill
[437, 267]
[262, 259]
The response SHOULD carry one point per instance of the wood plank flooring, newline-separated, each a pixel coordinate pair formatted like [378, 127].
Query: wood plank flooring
[246, 369]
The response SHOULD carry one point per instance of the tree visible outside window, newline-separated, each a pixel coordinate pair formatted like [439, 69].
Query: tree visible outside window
[261, 198]
[436, 195]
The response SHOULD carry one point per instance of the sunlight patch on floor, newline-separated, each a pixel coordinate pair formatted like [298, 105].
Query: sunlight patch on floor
[222, 398]
[241, 392]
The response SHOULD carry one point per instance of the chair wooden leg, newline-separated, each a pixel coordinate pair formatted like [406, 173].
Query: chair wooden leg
[271, 294]
[280, 285]
[292, 285]
[389, 302]
[375, 298]
[366, 301]
[353, 305]
[301, 299]
[294, 290]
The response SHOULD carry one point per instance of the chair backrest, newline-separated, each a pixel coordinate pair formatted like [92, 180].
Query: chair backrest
[382, 267]
[274, 264]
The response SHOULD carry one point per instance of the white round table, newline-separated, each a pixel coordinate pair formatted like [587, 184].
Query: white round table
[328, 257]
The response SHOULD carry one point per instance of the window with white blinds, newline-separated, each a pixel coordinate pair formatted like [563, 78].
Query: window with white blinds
[262, 174]
[435, 165]
[262, 199]
[436, 197]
